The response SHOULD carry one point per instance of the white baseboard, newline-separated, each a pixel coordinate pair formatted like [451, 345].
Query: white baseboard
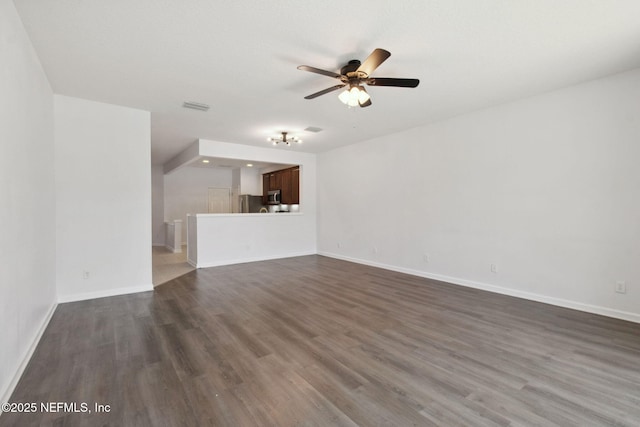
[5, 396]
[604, 311]
[105, 293]
[255, 259]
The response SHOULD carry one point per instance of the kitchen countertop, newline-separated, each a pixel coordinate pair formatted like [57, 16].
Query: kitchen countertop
[248, 214]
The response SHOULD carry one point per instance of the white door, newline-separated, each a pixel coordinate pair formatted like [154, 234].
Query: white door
[219, 200]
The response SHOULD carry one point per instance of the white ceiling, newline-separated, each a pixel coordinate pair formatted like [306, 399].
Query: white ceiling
[240, 57]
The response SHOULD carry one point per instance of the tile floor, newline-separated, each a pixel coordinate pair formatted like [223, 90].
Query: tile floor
[168, 265]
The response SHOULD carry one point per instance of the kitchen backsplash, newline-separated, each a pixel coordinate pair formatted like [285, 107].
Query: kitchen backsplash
[284, 208]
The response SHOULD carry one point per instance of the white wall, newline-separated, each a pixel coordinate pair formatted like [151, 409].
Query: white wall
[157, 205]
[547, 189]
[250, 181]
[186, 191]
[103, 199]
[236, 238]
[27, 210]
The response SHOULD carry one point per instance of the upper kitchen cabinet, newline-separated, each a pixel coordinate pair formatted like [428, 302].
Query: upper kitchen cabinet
[295, 185]
[265, 188]
[275, 180]
[285, 176]
[285, 180]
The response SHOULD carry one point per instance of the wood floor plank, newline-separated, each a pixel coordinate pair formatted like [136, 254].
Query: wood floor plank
[316, 341]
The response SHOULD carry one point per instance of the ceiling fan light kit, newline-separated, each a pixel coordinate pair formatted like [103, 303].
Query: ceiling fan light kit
[354, 96]
[284, 138]
[354, 75]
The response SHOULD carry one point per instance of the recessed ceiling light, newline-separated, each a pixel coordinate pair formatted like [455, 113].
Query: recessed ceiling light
[313, 129]
[205, 161]
[249, 165]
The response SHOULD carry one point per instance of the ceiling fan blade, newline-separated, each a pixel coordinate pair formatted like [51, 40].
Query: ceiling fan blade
[386, 81]
[319, 71]
[373, 61]
[366, 103]
[322, 92]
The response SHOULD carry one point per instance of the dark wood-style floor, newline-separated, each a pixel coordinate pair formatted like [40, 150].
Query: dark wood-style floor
[317, 341]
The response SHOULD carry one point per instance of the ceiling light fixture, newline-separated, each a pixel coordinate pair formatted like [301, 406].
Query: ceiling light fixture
[249, 165]
[354, 96]
[353, 75]
[284, 138]
[205, 161]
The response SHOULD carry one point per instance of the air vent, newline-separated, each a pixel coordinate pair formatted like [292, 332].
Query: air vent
[195, 106]
[313, 129]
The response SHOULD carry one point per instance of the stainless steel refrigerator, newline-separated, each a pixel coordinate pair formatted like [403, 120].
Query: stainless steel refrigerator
[250, 204]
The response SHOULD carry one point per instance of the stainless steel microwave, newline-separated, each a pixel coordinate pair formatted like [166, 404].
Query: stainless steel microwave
[273, 197]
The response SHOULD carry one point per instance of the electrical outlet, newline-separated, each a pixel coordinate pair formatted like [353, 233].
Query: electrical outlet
[494, 268]
[375, 249]
[85, 274]
[425, 258]
[621, 287]
[339, 244]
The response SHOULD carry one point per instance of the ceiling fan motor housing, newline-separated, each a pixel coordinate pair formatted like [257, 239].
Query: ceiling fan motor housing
[350, 67]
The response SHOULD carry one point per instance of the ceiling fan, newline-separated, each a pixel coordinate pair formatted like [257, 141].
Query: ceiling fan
[354, 74]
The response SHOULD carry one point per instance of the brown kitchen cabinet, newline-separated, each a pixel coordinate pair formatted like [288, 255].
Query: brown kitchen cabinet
[265, 188]
[285, 180]
[275, 181]
[295, 186]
